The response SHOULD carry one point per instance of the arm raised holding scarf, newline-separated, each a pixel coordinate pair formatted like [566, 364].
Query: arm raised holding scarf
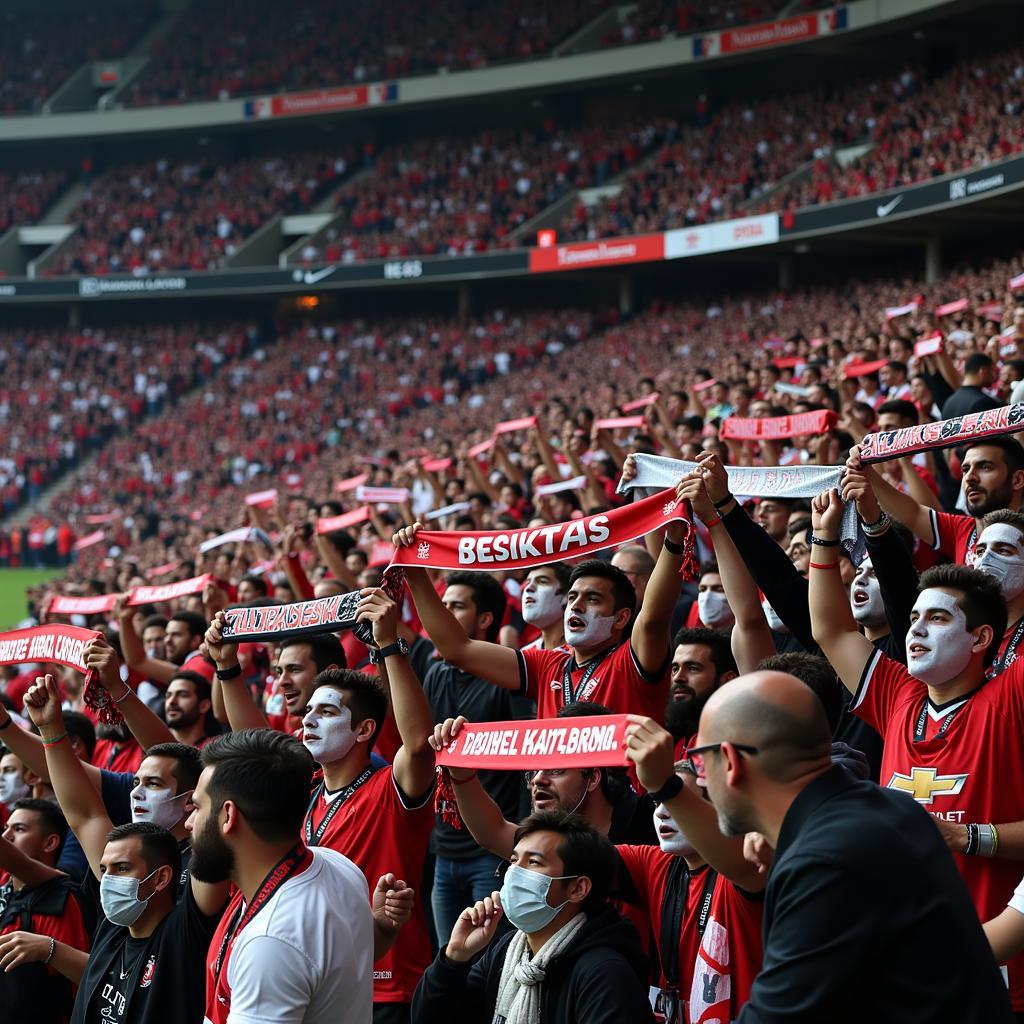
[902, 507]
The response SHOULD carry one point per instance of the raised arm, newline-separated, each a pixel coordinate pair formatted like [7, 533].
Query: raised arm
[902, 507]
[414, 762]
[835, 629]
[78, 798]
[241, 712]
[335, 561]
[479, 813]
[144, 725]
[156, 670]
[496, 664]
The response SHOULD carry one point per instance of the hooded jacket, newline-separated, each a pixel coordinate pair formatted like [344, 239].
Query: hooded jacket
[600, 979]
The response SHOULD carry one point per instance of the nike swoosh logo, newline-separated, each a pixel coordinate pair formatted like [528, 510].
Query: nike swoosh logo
[311, 277]
[883, 210]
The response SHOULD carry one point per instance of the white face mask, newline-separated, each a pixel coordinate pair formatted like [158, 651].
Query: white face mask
[945, 647]
[871, 612]
[332, 736]
[774, 622]
[543, 605]
[671, 837]
[12, 788]
[588, 629]
[159, 806]
[713, 609]
[1007, 569]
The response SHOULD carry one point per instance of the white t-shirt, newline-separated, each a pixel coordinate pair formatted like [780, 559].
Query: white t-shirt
[307, 956]
[1017, 899]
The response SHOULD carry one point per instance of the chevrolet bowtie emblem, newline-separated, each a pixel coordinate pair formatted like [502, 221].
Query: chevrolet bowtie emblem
[925, 784]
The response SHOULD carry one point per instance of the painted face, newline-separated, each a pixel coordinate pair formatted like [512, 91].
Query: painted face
[1000, 554]
[938, 643]
[159, 806]
[585, 628]
[327, 728]
[866, 597]
[543, 601]
[671, 837]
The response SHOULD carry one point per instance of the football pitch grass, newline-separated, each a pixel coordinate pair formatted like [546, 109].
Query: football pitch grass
[13, 584]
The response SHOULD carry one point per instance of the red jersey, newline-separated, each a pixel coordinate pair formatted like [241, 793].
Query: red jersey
[614, 679]
[963, 761]
[717, 965]
[117, 757]
[375, 829]
[954, 536]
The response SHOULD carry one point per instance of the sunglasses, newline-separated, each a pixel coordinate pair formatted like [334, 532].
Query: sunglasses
[695, 755]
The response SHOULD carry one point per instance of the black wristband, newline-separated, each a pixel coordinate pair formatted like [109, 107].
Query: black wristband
[10, 721]
[673, 547]
[721, 504]
[229, 673]
[822, 543]
[673, 784]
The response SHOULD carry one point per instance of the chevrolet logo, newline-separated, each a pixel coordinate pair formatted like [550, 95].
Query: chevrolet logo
[924, 784]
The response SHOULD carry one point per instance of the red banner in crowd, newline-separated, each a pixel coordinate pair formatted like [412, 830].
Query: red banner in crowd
[952, 307]
[435, 465]
[351, 483]
[88, 540]
[852, 370]
[344, 521]
[894, 444]
[262, 499]
[95, 605]
[478, 449]
[929, 346]
[592, 741]
[735, 428]
[509, 426]
[641, 403]
[168, 591]
[520, 549]
[619, 423]
[58, 645]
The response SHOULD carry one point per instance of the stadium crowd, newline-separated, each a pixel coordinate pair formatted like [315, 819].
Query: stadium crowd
[629, 887]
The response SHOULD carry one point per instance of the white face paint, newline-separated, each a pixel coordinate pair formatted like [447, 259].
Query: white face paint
[937, 651]
[671, 837]
[543, 605]
[12, 788]
[587, 629]
[159, 806]
[714, 609]
[774, 622]
[328, 738]
[866, 597]
[1007, 568]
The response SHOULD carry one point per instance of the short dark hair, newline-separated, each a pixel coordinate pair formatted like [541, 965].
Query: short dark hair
[199, 682]
[53, 820]
[977, 361]
[188, 765]
[193, 620]
[982, 603]
[79, 726]
[154, 620]
[1013, 452]
[488, 596]
[266, 774]
[715, 640]
[1009, 516]
[622, 590]
[258, 582]
[583, 850]
[900, 407]
[325, 650]
[367, 698]
[159, 848]
[817, 673]
[561, 570]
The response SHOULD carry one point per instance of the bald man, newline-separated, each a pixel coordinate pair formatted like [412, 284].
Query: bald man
[866, 916]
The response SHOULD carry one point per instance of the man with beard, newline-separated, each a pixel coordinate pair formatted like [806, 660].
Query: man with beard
[297, 941]
[148, 953]
[951, 738]
[186, 706]
[543, 603]
[993, 479]
[182, 636]
[860, 891]
[701, 662]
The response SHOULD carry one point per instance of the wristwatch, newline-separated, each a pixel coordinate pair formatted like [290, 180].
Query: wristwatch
[377, 655]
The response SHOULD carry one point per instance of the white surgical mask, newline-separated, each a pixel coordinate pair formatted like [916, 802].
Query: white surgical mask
[12, 788]
[119, 897]
[774, 622]
[332, 735]
[713, 609]
[872, 612]
[543, 605]
[596, 630]
[947, 645]
[159, 806]
[1007, 569]
[671, 837]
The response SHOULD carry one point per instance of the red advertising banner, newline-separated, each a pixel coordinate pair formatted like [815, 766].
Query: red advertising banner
[778, 427]
[771, 33]
[607, 252]
[592, 741]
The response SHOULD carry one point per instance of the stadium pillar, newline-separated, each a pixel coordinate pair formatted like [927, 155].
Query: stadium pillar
[625, 294]
[74, 316]
[933, 258]
[464, 302]
[785, 273]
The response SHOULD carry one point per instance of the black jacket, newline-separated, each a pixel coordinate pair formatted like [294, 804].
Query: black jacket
[866, 918]
[600, 979]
